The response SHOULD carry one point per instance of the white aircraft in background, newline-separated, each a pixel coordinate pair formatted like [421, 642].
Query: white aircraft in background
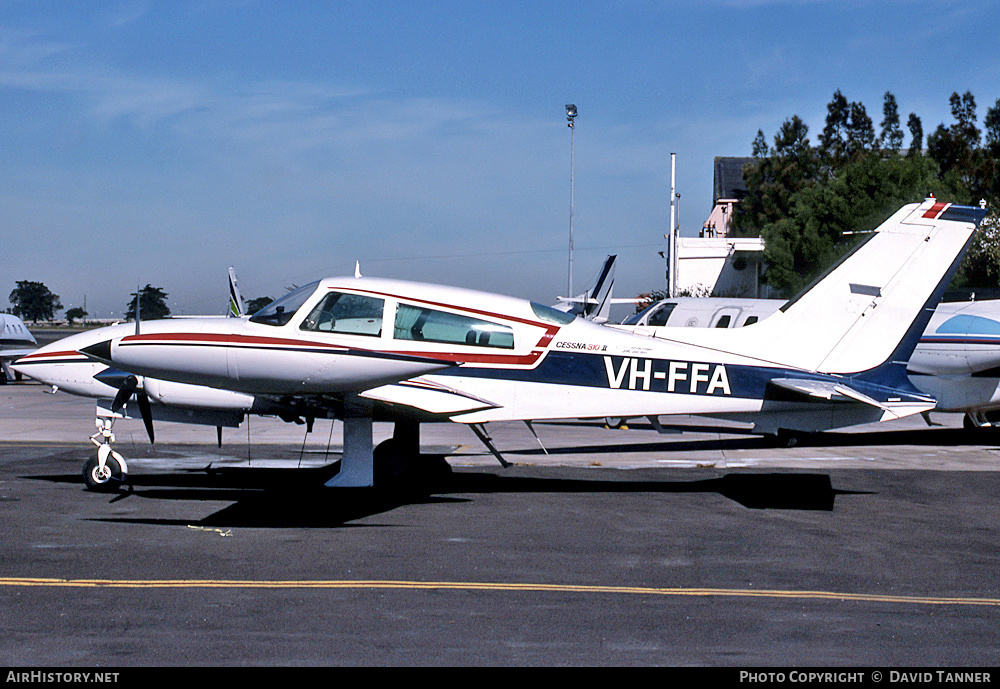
[957, 359]
[361, 349]
[15, 341]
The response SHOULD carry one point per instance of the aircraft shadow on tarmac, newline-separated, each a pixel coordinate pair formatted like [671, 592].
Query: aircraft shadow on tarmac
[742, 440]
[296, 498]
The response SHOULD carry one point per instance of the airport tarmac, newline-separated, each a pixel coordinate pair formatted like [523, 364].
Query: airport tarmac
[873, 547]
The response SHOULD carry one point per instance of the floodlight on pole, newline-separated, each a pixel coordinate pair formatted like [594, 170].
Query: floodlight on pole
[570, 116]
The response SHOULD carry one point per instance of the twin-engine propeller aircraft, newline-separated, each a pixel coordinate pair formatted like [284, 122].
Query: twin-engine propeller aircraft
[360, 349]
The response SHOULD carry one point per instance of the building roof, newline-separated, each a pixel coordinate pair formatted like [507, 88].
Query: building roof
[729, 182]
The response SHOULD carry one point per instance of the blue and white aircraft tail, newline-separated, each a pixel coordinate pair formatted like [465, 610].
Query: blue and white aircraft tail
[857, 326]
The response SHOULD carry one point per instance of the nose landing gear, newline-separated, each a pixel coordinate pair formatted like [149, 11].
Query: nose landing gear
[107, 470]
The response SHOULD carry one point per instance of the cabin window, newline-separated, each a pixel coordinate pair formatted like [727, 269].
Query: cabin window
[280, 311]
[427, 325]
[723, 322]
[348, 314]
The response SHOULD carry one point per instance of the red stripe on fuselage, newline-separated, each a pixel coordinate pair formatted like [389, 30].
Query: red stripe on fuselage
[251, 341]
[37, 356]
[225, 339]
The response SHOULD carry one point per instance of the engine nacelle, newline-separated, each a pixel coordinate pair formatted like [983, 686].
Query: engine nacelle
[197, 396]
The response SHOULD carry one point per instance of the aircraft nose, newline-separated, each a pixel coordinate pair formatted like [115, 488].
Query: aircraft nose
[100, 351]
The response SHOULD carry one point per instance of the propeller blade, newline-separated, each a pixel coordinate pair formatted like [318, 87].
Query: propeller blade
[125, 392]
[147, 416]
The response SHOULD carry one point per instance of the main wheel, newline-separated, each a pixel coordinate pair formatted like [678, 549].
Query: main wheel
[105, 478]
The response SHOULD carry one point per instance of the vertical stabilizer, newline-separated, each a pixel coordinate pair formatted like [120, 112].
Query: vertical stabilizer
[869, 309]
[237, 307]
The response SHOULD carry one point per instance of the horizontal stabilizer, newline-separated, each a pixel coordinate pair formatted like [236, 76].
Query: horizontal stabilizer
[825, 390]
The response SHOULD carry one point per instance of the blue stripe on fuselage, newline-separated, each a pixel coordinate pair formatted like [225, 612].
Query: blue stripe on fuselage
[662, 375]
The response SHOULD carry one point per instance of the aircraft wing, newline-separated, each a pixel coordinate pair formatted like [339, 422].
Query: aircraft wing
[11, 354]
[429, 397]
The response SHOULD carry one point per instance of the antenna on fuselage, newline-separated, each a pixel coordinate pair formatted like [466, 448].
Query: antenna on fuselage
[357, 269]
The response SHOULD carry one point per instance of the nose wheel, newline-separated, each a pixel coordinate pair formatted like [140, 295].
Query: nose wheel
[107, 470]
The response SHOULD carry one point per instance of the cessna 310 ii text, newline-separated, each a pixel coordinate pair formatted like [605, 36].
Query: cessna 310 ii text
[360, 349]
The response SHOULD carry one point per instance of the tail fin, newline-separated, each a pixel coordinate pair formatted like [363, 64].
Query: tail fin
[236, 306]
[595, 303]
[870, 309]
[866, 314]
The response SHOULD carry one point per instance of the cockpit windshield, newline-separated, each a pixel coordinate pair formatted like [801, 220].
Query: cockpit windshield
[547, 313]
[280, 311]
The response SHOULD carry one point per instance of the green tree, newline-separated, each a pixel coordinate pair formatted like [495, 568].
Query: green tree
[75, 313]
[152, 304]
[980, 266]
[916, 128]
[255, 305]
[860, 131]
[891, 137]
[33, 301]
[760, 147]
[992, 124]
[809, 204]
[956, 150]
[833, 140]
[826, 218]
[771, 181]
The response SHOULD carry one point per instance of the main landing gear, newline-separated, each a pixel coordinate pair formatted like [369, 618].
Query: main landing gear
[107, 470]
[395, 463]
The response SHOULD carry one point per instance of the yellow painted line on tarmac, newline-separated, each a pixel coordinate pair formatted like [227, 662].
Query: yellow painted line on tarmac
[32, 582]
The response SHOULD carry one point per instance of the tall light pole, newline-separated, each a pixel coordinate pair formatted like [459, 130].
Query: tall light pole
[570, 116]
[672, 237]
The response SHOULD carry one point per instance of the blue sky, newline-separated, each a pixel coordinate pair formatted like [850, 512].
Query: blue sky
[162, 142]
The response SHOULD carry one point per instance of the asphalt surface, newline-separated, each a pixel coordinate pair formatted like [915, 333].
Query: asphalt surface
[876, 547]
